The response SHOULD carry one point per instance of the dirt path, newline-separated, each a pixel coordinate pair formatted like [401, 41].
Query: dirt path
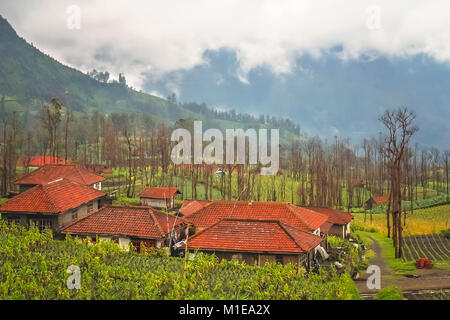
[378, 261]
[428, 280]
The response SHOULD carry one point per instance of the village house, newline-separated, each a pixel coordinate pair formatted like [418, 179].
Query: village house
[52, 172]
[53, 205]
[256, 241]
[40, 161]
[159, 197]
[204, 214]
[379, 200]
[125, 225]
[207, 213]
[190, 206]
[339, 221]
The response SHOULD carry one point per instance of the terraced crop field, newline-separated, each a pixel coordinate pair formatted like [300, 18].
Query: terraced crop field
[432, 246]
[428, 295]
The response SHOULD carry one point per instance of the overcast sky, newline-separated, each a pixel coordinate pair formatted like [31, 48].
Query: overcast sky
[136, 36]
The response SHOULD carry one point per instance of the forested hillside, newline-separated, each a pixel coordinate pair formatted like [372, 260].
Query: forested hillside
[29, 77]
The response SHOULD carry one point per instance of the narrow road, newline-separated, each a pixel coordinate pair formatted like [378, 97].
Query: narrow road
[378, 260]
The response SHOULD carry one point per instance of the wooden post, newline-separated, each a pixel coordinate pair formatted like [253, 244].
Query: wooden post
[186, 251]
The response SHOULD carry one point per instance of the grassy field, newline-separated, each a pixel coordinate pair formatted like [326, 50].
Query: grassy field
[423, 221]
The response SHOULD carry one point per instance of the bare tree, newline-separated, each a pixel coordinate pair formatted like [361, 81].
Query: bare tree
[400, 130]
[51, 117]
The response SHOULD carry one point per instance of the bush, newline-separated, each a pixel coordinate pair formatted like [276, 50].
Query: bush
[335, 242]
[370, 254]
[389, 293]
[33, 266]
[124, 201]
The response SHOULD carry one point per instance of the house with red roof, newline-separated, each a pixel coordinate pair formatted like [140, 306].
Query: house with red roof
[125, 225]
[209, 213]
[379, 200]
[53, 205]
[338, 221]
[53, 172]
[190, 206]
[250, 216]
[40, 161]
[159, 197]
[256, 242]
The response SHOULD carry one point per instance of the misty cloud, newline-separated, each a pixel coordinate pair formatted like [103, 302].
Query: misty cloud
[142, 37]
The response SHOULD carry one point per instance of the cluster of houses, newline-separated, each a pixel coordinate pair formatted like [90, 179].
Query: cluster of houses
[69, 200]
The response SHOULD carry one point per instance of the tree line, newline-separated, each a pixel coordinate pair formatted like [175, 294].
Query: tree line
[313, 172]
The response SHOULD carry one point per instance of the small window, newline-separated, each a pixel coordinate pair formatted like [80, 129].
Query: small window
[90, 207]
[74, 215]
[279, 258]
[10, 221]
[42, 224]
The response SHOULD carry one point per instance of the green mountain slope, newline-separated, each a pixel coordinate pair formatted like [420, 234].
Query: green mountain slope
[32, 77]
[27, 73]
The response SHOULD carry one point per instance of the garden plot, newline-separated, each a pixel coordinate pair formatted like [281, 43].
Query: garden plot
[432, 246]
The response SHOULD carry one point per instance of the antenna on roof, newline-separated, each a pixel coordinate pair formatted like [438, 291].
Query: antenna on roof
[57, 180]
[237, 199]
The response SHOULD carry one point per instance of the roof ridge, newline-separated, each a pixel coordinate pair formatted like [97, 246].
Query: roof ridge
[292, 208]
[48, 196]
[77, 168]
[155, 220]
[290, 235]
[204, 230]
[249, 220]
[284, 225]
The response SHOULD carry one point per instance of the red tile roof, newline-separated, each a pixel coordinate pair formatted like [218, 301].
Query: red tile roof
[191, 206]
[381, 199]
[158, 192]
[298, 217]
[334, 216]
[326, 227]
[39, 161]
[141, 222]
[52, 172]
[253, 236]
[54, 197]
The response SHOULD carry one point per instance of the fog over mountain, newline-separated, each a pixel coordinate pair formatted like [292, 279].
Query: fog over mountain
[327, 96]
[332, 68]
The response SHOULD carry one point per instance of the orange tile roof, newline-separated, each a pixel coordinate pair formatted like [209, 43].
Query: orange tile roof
[381, 199]
[52, 172]
[39, 161]
[298, 217]
[326, 227]
[158, 192]
[54, 197]
[141, 222]
[254, 236]
[191, 206]
[334, 216]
